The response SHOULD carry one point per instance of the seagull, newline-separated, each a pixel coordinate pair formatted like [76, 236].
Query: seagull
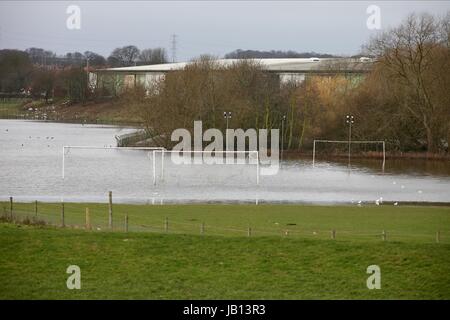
[395, 203]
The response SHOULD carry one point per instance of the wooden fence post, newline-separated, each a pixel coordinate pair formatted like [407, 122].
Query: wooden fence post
[62, 215]
[35, 208]
[333, 234]
[383, 235]
[110, 210]
[11, 207]
[166, 224]
[88, 220]
[249, 232]
[438, 236]
[126, 222]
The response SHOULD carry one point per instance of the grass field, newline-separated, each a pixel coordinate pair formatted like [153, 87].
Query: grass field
[401, 223]
[224, 262]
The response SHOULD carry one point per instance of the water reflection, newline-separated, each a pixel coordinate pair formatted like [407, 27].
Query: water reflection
[31, 162]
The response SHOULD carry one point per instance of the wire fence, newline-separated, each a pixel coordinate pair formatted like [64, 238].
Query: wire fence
[95, 217]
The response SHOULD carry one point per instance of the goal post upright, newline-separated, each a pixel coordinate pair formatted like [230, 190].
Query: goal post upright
[154, 167]
[103, 148]
[63, 160]
[257, 167]
[314, 153]
[164, 151]
[153, 152]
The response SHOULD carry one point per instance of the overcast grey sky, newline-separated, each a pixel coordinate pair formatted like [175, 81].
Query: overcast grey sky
[214, 27]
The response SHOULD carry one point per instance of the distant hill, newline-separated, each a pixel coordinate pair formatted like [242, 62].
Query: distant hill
[247, 54]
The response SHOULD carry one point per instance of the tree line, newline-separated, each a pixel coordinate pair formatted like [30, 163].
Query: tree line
[404, 99]
[42, 73]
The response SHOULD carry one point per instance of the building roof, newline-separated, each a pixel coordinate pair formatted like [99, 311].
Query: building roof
[273, 65]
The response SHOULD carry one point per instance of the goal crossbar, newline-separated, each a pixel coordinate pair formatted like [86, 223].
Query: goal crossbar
[209, 152]
[163, 151]
[102, 148]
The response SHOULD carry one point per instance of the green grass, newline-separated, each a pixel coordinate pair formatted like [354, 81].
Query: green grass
[225, 263]
[401, 223]
[159, 266]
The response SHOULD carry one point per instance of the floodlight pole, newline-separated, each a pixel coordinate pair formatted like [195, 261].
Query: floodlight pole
[226, 115]
[87, 72]
[350, 120]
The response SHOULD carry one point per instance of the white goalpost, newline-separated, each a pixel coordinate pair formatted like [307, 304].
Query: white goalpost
[158, 164]
[64, 148]
[222, 157]
[382, 142]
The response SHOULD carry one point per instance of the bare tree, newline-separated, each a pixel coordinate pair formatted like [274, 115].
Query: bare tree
[123, 57]
[153, 56]
[407, 55]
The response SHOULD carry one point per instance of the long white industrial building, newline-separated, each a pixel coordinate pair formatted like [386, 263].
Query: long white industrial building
[295, 69]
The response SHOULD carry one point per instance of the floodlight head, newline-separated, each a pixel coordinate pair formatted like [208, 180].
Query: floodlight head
[229, 114]
[224, 114]
[350, 119]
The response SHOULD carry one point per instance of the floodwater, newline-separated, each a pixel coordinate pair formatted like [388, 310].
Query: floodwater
[31, 160]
